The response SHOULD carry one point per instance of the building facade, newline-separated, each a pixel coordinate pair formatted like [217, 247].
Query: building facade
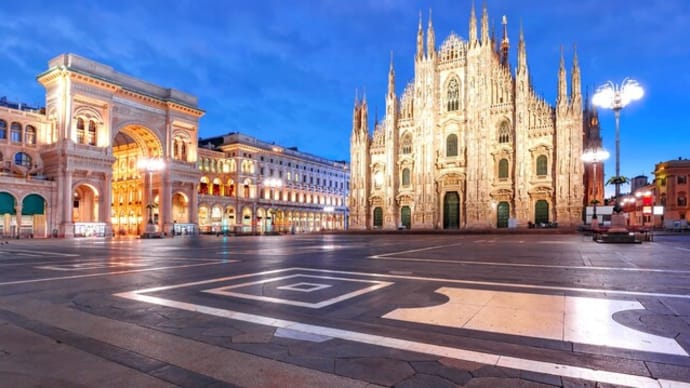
[671, 190]
[75, 171]
[468, 143]
[74, 168]
[251, 186]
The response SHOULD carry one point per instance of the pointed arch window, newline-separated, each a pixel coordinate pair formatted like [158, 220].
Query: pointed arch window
[3, 129]
[541, 165]
[503, 169]
[16, 133]
[91, 135]
[453, 95]
[452, 145]
[80, 131]
[30, 135]
[504, 133]
[405, 177]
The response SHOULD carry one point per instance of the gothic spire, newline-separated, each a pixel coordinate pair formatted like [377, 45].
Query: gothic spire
[485, 25]
[391, 78]
[505, 44]
[562, 83]
[473, 25]
[420, 39]
[430, 39]
[576, 91]
[522, 52]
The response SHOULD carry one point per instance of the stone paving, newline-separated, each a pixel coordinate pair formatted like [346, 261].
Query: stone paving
[64, 320]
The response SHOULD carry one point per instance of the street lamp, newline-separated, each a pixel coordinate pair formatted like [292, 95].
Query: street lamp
[595, 156]
[150, 165]
[272, 183]
[616, 97]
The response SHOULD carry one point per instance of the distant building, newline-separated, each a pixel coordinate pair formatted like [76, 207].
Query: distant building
[248, 185]
[638, 182]
[672, 188]
[469, 143]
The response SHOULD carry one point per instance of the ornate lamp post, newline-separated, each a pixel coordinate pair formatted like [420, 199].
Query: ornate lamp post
[272, 183]
[616, 97]
[595, 156]
[150, 165]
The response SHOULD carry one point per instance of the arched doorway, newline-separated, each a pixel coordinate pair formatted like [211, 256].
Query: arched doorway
[451, 210]
[136, 190]
[502, 214]
[33, 216]
[85, 204]
[8, 209]
[406, 217]
[541, 212]
[378, 218]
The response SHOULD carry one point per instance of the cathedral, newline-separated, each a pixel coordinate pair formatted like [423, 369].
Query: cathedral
[469, 144]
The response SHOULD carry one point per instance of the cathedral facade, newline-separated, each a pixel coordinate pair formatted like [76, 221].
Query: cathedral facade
[469, 144]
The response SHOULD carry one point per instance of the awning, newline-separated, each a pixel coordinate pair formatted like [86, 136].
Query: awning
[33, 204]
[7, 204]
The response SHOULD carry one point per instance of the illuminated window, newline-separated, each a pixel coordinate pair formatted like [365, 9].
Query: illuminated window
[30, 135]
[91, 136]
[80, 130]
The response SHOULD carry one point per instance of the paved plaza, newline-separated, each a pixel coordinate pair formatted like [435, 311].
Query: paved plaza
[346, 310]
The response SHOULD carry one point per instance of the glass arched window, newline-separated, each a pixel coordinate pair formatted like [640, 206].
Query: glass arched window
[91, 135]
[80, 130]
[452, 145]
[541, 165]
[16, 133]
[453, 95]
[30, 135]
[504, 133]
[3, 129]
[406, 144]
[406, 177]
[22, 159]
[503, 169]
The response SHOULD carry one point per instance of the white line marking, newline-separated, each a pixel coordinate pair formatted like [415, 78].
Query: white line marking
[683, 249]
[498, 264]
[109, 273]
[24, 252]
[418, 250]
[377, 285]
[401, 344]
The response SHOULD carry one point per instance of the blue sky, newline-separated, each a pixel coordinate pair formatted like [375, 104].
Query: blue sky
[286, 71]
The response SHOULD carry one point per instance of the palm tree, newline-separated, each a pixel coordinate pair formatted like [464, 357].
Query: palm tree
[620, 180]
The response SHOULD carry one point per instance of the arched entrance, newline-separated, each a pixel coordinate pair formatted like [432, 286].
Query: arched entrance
[137, 187]
[406, 217]
[378, 218]
[451, 210]
[502, 214]
[541, 212]
[33, 216]
[8, 211]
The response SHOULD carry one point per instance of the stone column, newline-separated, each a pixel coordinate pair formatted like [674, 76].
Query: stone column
[66, 225]
[165, 208]
[18, 216]
[105, 205]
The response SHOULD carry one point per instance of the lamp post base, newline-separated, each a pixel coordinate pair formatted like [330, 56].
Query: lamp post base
[151, 231]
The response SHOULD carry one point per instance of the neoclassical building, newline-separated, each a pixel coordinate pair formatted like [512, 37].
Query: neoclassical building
[251, 186]
[74, 168]
[71, 168]
[468, 143]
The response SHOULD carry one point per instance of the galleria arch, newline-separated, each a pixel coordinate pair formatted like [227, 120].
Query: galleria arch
[101, 128]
